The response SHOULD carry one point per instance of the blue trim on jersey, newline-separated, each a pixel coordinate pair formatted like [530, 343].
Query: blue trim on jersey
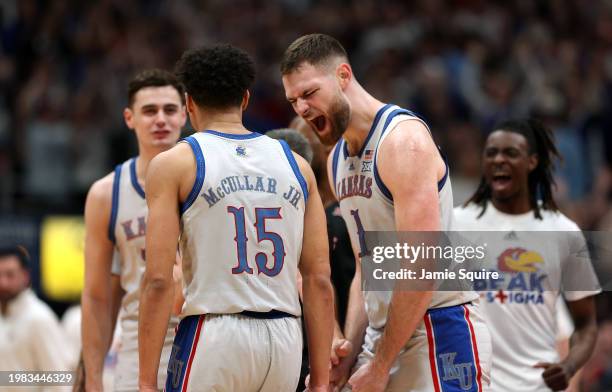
[345, 150]
[457, 370]
[114, 205]
[379, 182]
[335, 158]
[181, 348]
[296, 169]
[134, 179]
[443, 179]
[200, 172]
[233, 135]
[373, 127]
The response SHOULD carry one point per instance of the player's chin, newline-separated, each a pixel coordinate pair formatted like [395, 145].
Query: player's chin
[166, 141]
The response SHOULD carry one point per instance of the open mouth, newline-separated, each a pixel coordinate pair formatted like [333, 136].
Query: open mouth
[319, 123]
[501, 179]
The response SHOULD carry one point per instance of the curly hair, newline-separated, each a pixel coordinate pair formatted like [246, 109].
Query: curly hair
[315, 49]
[153, 77]
[216, 76]
[541, 181]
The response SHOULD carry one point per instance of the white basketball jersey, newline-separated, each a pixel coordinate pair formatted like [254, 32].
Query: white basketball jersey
[242, 226]
[127, 231]
[367, 204]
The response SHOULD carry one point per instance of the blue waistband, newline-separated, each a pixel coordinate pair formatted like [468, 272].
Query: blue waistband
[273, 314]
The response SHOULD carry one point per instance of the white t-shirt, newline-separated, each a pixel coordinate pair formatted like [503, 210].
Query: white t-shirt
[523, 324]
[31, 339]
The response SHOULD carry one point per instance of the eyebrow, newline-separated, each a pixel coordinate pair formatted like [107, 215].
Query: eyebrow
[304, 92]
[153, 106]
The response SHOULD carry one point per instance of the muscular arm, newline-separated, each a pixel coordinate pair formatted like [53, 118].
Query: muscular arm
[410, 165]
[582, 342]
[97, 299]
[356, 321]
[316, 285]
[163, 190]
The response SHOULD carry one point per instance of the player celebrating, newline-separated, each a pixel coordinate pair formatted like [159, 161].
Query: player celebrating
[387, 175]
[247, 210]
[115, 220]
[517, 166]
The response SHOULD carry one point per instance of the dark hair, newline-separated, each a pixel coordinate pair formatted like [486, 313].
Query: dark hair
[295, 140]
[153, 77]
[216, 76]
[312, 48]
[541, 142]
[18, 251]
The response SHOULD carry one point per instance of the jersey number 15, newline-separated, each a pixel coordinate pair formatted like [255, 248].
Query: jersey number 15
[261, 259]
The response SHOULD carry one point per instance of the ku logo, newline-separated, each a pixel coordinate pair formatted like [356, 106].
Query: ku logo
[366, 166]
[241, 151]
[461, 372]
[175, 366]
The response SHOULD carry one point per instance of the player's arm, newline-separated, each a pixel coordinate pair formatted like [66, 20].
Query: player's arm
[316, 285]
[163, 190]
[409, 164]
[582, 342]
[347, 341]
[97, 298]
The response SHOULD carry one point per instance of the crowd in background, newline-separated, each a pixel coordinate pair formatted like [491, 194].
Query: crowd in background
[463, 65]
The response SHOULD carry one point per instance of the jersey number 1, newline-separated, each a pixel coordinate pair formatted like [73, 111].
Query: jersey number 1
[261, 259]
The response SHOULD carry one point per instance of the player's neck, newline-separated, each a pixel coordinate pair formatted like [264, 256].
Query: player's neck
[142, 163]
[229, 121]
[512, 206]
[363, 111]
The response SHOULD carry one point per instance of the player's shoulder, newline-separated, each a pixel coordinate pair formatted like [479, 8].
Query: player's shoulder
[409, 133]
[102, 189]
[466, 215]
[559, 221]
[178, 156]
[469, 210]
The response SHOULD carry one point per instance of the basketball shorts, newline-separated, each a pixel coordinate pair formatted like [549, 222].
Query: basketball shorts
[449, 351]
[234, 352]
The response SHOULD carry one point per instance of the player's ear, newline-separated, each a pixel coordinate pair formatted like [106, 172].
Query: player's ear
[344, 74]
[245, 100]
[533, 162]
[190, 103]
[128, 117]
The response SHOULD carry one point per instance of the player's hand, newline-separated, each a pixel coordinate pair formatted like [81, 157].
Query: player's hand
[369, 378]
[342, 360]
[556, 375]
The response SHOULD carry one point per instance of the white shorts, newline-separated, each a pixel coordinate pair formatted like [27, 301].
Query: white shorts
[236, 353]
[449, 351]
[126, 370]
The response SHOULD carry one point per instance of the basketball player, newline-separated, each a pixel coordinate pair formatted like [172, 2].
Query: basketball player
[115, 221]
[397, 181]
[517, 164]
[249, 215]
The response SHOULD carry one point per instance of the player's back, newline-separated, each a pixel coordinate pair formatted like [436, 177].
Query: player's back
[242, 226]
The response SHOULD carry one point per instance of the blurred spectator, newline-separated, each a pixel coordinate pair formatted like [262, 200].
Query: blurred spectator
[30, 334]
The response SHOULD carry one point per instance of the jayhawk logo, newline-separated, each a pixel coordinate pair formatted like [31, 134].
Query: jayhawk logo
[519, 260]
[241, 151]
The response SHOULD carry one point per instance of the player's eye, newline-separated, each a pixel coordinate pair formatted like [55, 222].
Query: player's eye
[490, 152]
[512, 152]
